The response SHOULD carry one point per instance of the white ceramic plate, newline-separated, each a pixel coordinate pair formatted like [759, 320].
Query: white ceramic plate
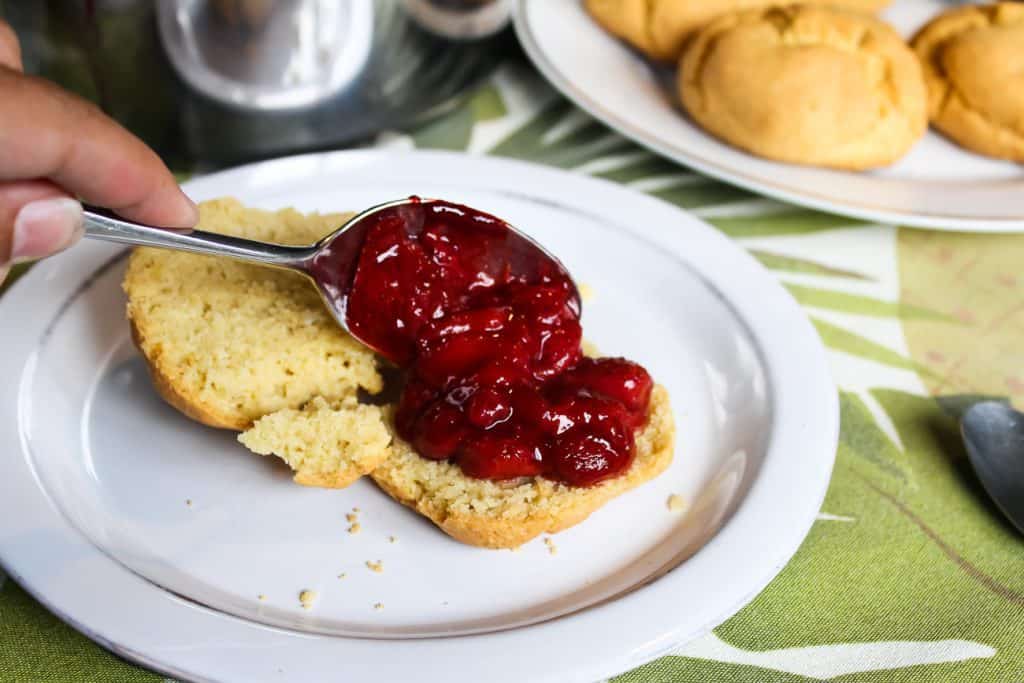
[97, 470]
[937, 185]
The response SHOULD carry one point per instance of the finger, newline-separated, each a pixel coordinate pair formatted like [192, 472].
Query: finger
[13, 196]
[10, 50]
[37, 219]
[46, 132]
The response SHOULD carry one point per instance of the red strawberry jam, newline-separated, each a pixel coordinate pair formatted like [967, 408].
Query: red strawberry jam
[489, 337]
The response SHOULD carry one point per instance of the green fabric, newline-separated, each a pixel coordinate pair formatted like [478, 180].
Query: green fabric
[37, 646]
[909, 573]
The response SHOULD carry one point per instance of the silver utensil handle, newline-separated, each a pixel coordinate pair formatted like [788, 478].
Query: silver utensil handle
[103, 225]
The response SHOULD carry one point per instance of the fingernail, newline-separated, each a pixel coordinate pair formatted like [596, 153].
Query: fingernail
[45, 227]
[193, 215]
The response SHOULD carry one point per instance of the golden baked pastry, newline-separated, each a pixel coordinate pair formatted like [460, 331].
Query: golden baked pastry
[249, 348]
[228, 342]
[329, 445]
[504, 515]
[660, 28]
[807, 85]
[973, 59]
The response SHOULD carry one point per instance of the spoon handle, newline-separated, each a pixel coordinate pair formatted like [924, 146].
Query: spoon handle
[103, 225]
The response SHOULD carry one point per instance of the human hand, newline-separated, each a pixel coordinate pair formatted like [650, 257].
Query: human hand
[56, 148]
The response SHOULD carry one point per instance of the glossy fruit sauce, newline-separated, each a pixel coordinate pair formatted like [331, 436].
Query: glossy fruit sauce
[489, 336]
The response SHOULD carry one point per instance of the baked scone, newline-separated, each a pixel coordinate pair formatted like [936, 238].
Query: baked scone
[660, 28]
[806, 85]
[183, 306]
[327, 445]
[973, 59]
[227, 342]
[506, 515]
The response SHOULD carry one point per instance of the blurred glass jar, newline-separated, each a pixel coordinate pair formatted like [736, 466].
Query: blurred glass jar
[228, 80]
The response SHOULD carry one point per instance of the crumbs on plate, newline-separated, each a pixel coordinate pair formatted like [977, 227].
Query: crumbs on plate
[586, 292]
[307, 598]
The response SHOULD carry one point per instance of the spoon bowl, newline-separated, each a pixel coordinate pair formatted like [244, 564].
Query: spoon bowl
[993, 434]
[330, 263]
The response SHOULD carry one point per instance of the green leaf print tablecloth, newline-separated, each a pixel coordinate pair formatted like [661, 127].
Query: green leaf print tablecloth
[908, 574]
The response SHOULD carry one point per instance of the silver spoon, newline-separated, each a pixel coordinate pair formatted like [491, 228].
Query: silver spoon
[340, 249]
[993, 433]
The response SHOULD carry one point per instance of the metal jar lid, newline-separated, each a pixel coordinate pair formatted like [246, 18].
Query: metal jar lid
[267, 54]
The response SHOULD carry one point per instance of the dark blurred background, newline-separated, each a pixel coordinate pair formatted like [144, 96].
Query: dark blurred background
[217, 82]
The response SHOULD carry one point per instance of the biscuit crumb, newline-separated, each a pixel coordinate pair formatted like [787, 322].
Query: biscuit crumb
[552, 548]
[586, 292]
[261, 597]
[355, 510]
[377, 566]
[378, 606]
[188, 502]
[392, 539]
[327, 443]
[355, 528]
[342, 575]
[676, 503]
[307, 598]
[352, 517]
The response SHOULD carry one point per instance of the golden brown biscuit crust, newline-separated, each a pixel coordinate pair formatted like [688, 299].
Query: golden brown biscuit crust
[492, 515]
[660, 28]
[626, 19]
[228, 342]
[973, 59]
[178, 396]
[806, 85]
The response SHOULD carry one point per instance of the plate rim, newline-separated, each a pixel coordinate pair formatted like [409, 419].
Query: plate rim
[805, 418]
[554, 76]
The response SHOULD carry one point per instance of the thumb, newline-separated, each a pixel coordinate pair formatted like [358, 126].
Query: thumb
[37, 219]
